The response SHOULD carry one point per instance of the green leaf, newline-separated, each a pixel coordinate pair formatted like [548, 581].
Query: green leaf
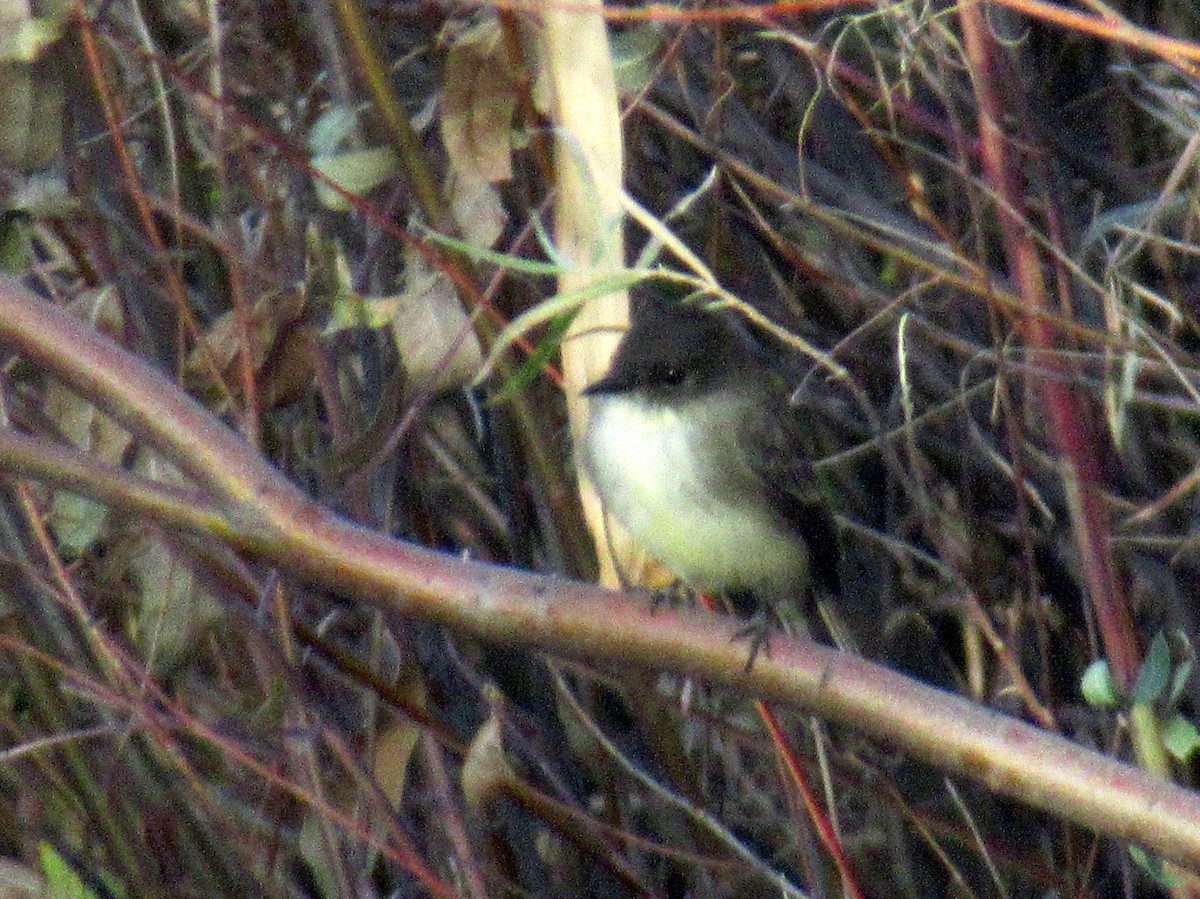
[358, 172]
[352, 310]
[1155, 868]
[1152, 680]
[1183, 672]
[477, 253]
[1181, 738]
[635, 56]
[61, 880]
[331, 130]
[77, 521]
[549, 310]
[1098, 687]
[29, 39]
[16, 251]
[532, 367]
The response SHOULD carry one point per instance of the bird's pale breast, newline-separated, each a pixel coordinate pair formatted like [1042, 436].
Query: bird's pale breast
[642, 459]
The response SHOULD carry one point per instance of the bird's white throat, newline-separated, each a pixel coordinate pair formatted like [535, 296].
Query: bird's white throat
[643, 458]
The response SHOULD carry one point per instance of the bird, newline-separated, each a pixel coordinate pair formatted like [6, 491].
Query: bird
[694, 447]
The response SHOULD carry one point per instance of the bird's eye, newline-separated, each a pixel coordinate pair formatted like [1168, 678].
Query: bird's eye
[670, 375]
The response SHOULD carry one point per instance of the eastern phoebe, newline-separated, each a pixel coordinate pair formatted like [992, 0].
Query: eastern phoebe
[694, 448]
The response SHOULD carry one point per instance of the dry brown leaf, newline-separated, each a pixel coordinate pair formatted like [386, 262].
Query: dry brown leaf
[478, 101]
[433, 334]
[485, 770]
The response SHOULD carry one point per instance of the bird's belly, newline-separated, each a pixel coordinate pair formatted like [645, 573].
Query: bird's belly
[653, 482]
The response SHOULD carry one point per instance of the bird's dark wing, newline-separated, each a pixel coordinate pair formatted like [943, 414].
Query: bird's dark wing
[776, 450]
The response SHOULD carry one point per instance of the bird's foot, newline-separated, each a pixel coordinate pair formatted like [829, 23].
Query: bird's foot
[758, 629]
[672, 596]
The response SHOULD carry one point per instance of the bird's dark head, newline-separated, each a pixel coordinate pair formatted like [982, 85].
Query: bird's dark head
[674, 352]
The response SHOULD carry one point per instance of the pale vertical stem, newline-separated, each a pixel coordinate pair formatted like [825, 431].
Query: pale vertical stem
[589, 168]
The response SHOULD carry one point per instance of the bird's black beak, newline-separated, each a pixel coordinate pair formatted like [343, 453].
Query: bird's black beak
[609, 384]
